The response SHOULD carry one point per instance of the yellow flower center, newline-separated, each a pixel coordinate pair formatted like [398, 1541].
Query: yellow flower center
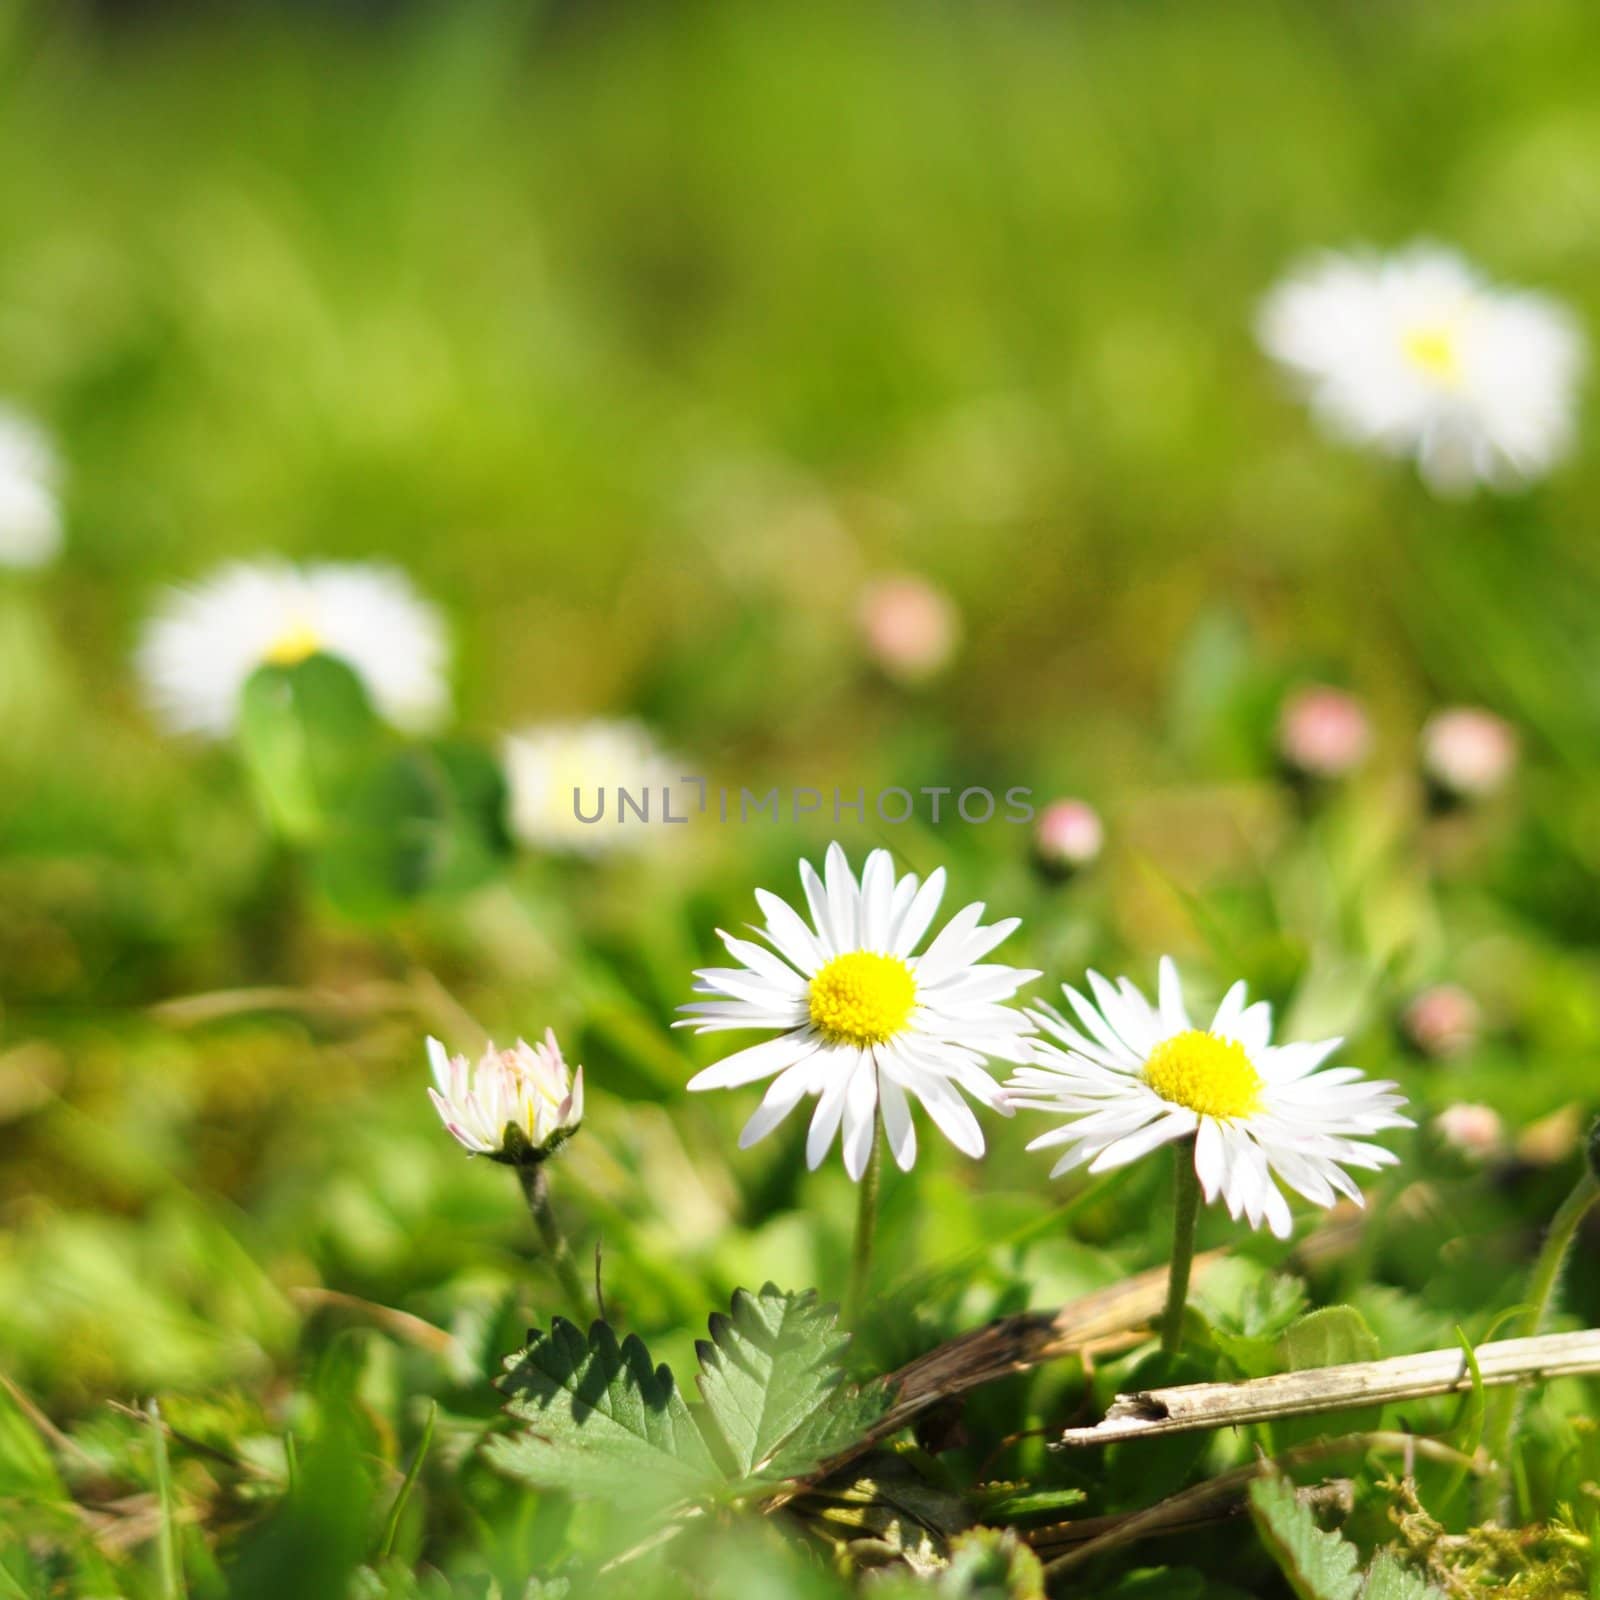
[1432, 349]
[862, 998]
[293, 645]
[1209, 1075]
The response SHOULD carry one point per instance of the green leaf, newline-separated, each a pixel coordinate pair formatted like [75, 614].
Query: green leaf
[601, 1420]
[304, 731]
[1318, 1565]
[773, 1384]
[991, 1564]
[1389, 1579]
[1331, 1337]
[426, 820]
[1010, 1502]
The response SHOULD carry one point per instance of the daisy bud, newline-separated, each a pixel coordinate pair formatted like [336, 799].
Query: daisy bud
[517, 1106]
[1068, 837]
[1442, 1021]
[1323, 733]
[1473, 1131]
[910, 628]
[1468, 753]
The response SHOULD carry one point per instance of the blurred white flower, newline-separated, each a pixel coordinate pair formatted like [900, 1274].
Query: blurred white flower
[516, 1106]
[1143, 1075]
[1323, 732]
[863, 1022]
[30, 508]
[1442, 1020]
[557, 770]
[910, 628]
[1417, 355]
[1068, 836]
[1472, 1130]
[1467, 752]
[205, 641]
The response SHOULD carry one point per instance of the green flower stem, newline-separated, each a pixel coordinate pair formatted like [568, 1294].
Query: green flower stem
[1186, 1212]
[536, 1191]
[1547, 1269]
[1501, 1433]
[866, 1227]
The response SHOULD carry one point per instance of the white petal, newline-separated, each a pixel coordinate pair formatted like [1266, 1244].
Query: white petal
[757, 1062]
[897, 1125]
[1229, 1012]
[764, 963]
[825, 1119]
[1177, 1125]
[784, 1093]
[908, 933]
[1174, 1014]
[877, 894]
[821, 915]
[1210, 1164]
[844, 900]
[860, 1116]
[943, 956]
[788, 932]
[439, 1061]
[951, 1114]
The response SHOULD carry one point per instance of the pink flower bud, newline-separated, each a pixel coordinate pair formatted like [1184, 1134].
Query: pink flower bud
[1068, 836]
[1468, 753]
[1472, 1130]
[910, 628]
[516, 1106]
[1442, 1021]
[1323, 732]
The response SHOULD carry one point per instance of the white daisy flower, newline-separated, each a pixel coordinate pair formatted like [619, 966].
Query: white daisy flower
[517, 1106]
[863, 1021]
[30, 508]
[1417, 355]
[203, 644]
[568, 780]
[1143, 1075]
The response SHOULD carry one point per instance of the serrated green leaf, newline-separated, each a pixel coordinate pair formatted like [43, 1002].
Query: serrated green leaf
[991, 1564]
[773, 1384]
[601, 1420]
[1318, 1565]
[1389, 1579]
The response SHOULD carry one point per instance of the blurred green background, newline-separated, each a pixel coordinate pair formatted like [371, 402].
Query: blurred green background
[644, 337]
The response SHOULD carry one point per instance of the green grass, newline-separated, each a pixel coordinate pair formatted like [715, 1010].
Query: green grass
[642, 337]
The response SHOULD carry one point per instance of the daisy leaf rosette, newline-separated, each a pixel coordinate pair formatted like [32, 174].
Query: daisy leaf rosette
[517, 1106]
[864, 1023]
[1132, 1076]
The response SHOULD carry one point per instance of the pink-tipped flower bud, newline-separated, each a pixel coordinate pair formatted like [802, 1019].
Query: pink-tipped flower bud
[516, 1106]
[910, 628]
[1068, 837]
[1323, 732]
[1468, 753]
[1473, 1131]
[1442, 1021]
